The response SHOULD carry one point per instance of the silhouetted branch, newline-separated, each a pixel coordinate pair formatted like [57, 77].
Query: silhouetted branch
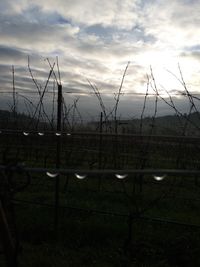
[144, 106]
[118, 96]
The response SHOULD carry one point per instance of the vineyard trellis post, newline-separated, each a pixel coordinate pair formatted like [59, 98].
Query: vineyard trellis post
[7, 241]
[100, 147]
[100, 140]
[58, 152]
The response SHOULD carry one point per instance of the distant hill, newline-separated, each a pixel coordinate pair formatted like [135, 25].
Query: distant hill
[172, 124]
[19, 121]
[165, 125]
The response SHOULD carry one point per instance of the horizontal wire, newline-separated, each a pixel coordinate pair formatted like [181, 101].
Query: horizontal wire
[62, 171]
[96, 134]
[102, 93]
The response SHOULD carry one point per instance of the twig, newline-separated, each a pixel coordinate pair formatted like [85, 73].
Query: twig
[144, 106]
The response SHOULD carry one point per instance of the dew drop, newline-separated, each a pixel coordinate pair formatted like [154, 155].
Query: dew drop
[80, 176]
[159, 177]
[25, 133]
[121, 176]
[58, 134]
[40, 134]
[52, 175]
[68, 134]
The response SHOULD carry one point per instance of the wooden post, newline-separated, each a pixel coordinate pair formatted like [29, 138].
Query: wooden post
[58, 152]
[14, 99]
[7, 240]
[59, 109]
[14, 108]
[100, 148]
[100, 140]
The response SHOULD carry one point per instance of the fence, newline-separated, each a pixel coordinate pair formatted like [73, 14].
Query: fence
[141, 171]
[100, 151]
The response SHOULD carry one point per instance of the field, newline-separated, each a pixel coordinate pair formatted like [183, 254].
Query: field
[101, 220]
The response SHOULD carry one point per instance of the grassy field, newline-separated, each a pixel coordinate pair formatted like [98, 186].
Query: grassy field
[93, 231]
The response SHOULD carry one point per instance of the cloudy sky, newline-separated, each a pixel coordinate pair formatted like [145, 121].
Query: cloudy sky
[94, 40]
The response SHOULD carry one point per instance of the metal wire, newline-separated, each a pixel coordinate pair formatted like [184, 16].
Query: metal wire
[61, 171]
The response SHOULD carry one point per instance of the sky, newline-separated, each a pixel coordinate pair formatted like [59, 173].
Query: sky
[94, 41]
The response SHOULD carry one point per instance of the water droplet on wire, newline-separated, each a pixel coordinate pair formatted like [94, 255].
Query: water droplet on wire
[58, 134]
[40, 134]
[80, 176]
[68, 134]
[159, 177]
[25, 133]
[121, 176]
[52, 175]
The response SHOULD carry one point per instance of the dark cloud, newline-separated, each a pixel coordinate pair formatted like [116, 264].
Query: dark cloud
[12, 55]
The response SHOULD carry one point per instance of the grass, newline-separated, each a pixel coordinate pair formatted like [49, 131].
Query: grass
[99, 241]
[92, 239]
